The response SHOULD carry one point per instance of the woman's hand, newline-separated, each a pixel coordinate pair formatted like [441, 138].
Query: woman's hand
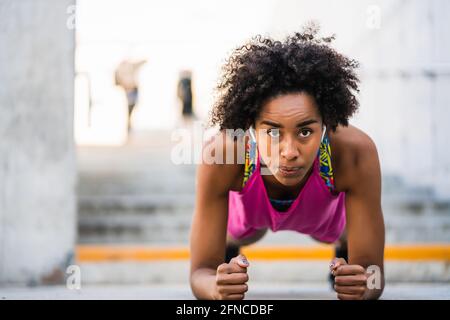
[350, 281]
[231, 279]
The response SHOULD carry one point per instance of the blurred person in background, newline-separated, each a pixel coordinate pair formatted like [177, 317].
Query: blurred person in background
[126, 76]
[184, 92]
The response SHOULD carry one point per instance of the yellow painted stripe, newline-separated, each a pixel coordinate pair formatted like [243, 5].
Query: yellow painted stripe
[418, 252]
[99, 253]
[111, 253]
[289, 252]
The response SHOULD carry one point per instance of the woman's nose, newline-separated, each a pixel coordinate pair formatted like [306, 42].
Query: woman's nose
[289, 150]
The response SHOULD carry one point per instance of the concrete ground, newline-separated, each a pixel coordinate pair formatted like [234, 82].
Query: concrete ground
[257, 291]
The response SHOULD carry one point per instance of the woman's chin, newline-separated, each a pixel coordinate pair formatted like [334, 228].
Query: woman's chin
[288, 181]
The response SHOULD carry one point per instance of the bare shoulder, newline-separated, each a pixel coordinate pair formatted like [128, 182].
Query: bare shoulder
[222, 167]
[353, 152]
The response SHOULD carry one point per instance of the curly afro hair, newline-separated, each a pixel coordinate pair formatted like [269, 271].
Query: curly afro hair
[264, 68]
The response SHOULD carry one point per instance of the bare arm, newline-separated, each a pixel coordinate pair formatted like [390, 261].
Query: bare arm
[208, 232]
[365, 227]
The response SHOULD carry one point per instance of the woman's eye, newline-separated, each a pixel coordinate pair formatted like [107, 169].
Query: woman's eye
[274, 133]
[305, 133]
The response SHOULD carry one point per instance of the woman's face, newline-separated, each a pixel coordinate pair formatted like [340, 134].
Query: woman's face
[288, 133]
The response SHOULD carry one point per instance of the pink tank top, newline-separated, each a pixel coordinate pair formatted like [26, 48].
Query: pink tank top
[316, 211]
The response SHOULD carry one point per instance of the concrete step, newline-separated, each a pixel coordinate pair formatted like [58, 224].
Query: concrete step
[163, 263]
[161, 181]
[280, 272]
[167, 217]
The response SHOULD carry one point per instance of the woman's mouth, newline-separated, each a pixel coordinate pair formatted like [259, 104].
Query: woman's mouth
[289, 171]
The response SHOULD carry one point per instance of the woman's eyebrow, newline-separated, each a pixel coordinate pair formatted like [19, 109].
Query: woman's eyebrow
[306, 122]
[300, 124]
[270, 123]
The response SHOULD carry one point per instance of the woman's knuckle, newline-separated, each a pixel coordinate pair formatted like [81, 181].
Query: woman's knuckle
[362, 278]
[222, 267]
[242, 288]
[221, 290]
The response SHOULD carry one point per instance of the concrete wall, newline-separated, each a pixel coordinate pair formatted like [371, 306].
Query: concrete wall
[405, 76]
[37, 158]
[405, 96]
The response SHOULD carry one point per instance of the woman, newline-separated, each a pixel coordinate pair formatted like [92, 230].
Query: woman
[323, 180]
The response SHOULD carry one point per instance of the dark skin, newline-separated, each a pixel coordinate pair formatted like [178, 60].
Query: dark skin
[357, 173]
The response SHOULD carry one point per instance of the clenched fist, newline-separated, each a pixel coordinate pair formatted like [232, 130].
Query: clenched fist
[350, 281]
[231, 279]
